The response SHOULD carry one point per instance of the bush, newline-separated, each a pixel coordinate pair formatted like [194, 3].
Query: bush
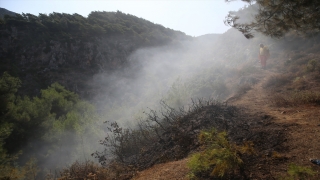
[299, 172]
[163, 135]
[296, 98]
[279, 100]
[305, 97]
[299, 83]
[90, 170]
[219, 158]
[312, 65]
[11, 171]
[277, 80]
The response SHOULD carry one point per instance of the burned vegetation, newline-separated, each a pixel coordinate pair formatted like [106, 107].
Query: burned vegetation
[171, 134]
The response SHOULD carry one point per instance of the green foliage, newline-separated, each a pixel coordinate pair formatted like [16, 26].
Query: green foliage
[276, 18]
[8, 87]
[298, 172]
[67, 27]
[49, 122]
[219, 157]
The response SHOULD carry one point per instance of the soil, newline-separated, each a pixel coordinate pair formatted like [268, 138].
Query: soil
[282, 136]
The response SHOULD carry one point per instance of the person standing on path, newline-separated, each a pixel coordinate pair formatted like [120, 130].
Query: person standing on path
[263, 55]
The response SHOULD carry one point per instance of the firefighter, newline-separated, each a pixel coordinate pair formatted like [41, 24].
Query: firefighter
[264, 55]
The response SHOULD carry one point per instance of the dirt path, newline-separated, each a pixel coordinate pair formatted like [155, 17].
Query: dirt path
[176, 170]
[301, 125]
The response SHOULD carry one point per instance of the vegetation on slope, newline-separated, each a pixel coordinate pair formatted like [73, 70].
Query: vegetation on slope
[69, 28]
[276, 18]
[38, 130]
[59, 117]
[219, 158]
[71, 49]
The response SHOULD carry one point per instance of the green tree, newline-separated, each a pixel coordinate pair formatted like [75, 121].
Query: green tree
[8, 87]
[276, 17]
[51, 122]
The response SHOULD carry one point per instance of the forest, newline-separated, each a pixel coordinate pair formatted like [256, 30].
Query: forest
[67, 27]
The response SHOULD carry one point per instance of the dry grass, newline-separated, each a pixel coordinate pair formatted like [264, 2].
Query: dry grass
[299, 83]
[243, 88]
[278, 80]
[92, 171]
[279, 100]
[295, 98]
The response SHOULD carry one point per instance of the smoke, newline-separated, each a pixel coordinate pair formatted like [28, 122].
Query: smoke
[175, 73]
[202, 67]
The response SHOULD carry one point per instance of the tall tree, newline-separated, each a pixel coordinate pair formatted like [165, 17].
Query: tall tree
[276, 17]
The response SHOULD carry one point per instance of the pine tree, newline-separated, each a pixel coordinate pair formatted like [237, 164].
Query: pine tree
[275, 18]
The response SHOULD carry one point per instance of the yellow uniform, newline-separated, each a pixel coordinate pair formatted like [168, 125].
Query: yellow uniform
[264, 51]
[264, 55]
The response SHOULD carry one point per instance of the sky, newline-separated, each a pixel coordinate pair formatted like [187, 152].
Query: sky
[193, 17]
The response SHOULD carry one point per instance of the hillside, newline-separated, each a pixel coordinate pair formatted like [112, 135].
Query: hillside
[113, 96]
[284, 127]
[297, 132]
[275, 109]
[6, 12]
[71, 49]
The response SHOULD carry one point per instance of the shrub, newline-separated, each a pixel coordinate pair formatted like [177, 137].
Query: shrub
[163, 135]
[277, 80]
[305, 97]
[219, 158]
[279, 100]
[300, 83]
[296, 98]
[298, 172]
[11, 171]
[91, 170]
[311, 66]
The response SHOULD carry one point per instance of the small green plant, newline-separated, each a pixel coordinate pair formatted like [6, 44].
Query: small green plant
[298, 172]
[219, 158]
